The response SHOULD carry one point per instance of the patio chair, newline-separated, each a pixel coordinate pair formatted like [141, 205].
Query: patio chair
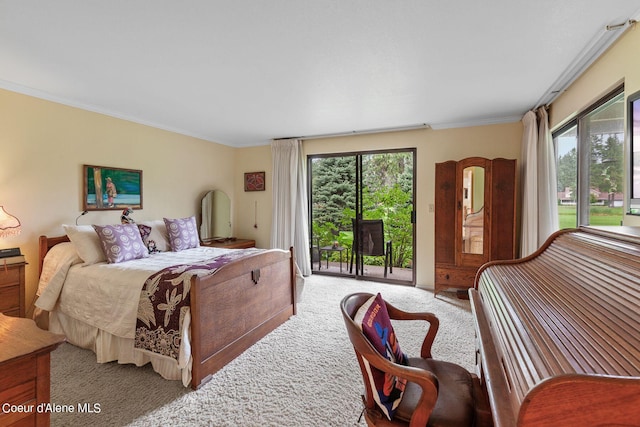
[370, 243]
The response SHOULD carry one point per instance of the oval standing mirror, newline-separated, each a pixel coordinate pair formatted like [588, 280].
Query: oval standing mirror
[473, 210]
[216, 216]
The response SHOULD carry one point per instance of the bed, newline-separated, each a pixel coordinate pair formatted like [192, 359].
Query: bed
[228, 309]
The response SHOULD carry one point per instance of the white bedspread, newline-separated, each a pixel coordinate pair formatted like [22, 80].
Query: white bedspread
[105, 295]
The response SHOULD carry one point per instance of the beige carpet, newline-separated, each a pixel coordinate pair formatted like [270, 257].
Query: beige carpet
[302, 374]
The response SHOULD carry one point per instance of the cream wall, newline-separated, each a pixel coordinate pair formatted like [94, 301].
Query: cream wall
[432, 146]
[45, 144]
[252, 210]
[619, 64]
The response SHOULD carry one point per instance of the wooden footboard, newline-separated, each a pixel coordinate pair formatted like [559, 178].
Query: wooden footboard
[238, 305]
[232, 308]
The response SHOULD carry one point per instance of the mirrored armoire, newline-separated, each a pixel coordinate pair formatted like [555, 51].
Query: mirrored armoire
[475, 218]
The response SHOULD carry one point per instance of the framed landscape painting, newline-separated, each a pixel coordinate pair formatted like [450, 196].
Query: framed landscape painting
[108, 188]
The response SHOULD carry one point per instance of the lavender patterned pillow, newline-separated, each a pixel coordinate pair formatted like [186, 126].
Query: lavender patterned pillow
[121, 242]
[183, 233]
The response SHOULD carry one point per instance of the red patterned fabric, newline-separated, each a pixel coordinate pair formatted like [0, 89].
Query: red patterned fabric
[164, 301]
[374, 320]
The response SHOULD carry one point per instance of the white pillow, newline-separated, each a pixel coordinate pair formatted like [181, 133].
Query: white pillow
[87, 243]
[54, 270]
[158, 234]
[60, 256]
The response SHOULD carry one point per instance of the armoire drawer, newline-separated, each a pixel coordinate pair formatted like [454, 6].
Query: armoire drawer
[455, 277]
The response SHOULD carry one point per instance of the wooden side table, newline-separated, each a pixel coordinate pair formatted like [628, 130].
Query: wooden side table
[231, 243]
[330, 249]
[12, 289]
[25, 374]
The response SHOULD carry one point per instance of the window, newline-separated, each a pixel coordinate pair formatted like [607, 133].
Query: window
[634, 144]
[590, 165]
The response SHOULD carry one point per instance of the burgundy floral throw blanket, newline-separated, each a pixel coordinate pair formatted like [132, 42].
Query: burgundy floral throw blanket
[164, 301]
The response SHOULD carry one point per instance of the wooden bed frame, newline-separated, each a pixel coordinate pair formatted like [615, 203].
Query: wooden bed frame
[233, 308]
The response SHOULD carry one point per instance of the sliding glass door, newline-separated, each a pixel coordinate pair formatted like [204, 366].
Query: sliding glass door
[362, 214]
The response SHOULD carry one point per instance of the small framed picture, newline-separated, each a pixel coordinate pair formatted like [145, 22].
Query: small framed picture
[254, 181]
[107, 188]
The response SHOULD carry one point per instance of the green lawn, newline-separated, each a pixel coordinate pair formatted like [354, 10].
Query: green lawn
[598, 215]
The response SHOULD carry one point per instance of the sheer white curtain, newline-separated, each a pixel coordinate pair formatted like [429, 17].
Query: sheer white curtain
[529, 164]
[548, 222]
[539, 195]
[290, 224]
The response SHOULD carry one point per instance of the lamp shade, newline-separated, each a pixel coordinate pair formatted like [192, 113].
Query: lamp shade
[9, 224]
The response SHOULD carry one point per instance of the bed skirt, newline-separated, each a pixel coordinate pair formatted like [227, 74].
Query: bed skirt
[109, 348]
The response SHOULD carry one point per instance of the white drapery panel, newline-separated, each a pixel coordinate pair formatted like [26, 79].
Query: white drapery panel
[290, 225]
[539, 194]
[529, 164]
[548, 222]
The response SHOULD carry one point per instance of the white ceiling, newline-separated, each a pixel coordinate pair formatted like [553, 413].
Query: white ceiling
[241, 72]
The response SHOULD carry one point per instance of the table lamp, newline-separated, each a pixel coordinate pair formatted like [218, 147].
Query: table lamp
[9, 224]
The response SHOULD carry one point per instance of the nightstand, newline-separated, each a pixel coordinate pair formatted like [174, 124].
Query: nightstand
[231, 243]
[12, 289]
[25, 376]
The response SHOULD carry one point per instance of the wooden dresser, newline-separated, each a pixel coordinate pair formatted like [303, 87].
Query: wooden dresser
[25, 371]
[12, 289]
[231, 243]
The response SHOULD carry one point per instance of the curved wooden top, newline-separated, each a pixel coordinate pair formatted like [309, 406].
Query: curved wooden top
[558, 330]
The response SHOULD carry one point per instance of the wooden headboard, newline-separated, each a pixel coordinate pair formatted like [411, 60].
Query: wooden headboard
[44, 244]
